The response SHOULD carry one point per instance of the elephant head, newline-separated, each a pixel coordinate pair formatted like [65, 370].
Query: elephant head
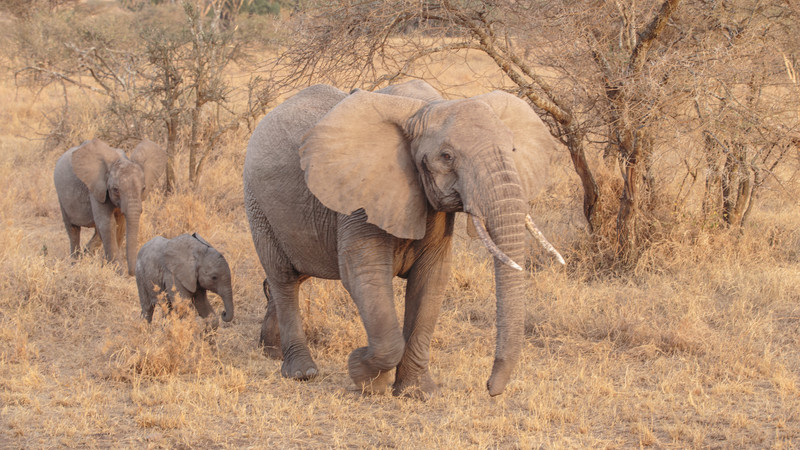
[111, 176]
[196, 265]
[395, 156]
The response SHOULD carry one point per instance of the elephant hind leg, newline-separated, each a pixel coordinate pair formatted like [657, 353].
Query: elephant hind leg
[147, 298]
[73, 233]
[270, 340]
[94, 243]
[297, 361]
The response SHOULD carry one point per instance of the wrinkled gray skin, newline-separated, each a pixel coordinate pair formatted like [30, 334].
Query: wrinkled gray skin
[186, 266]
[365, 187]
[99, 187]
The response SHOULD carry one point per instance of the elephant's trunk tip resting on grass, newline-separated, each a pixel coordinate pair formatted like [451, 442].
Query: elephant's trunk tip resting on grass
[364, 187]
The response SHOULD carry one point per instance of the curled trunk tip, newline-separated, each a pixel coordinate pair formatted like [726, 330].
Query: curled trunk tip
[491, 246]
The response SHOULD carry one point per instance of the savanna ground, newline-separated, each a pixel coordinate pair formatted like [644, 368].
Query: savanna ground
[698, 345]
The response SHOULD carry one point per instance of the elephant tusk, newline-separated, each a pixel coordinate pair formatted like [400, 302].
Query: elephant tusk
[534, 230]
[490, 245]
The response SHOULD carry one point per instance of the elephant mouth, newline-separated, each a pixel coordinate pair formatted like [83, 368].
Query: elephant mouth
[448, 200]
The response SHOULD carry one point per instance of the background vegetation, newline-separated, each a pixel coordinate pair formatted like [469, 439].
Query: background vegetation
[678, 328]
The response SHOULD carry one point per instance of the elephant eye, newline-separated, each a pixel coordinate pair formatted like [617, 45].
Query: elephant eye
[446, 156]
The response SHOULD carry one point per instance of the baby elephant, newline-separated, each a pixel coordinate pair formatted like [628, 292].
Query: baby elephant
[188, 264]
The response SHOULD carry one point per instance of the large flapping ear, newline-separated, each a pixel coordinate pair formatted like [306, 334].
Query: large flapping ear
[153, 160]
[180, 260]
[357, 156]
[91, 162]
[413, 89]
[534, 145]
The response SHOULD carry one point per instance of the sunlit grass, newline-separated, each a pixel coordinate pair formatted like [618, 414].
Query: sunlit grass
[696, 346]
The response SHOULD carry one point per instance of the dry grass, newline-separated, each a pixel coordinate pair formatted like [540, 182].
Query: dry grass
[697, 346]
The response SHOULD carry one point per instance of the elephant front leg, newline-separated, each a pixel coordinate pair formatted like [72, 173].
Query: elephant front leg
[270, 340]
[205, 310]
[366, 268]
[105, 226]
[119, 219]
[424, 294]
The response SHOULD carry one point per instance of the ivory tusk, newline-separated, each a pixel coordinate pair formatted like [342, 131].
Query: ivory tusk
[490, 245]
[534, 230]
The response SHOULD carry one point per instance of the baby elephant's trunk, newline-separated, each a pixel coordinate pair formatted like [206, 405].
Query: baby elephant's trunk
[227, 300]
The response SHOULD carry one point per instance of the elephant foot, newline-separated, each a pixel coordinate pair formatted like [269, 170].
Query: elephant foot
[368, 376]
[381, 384]
[421, 387]
[300, 366]
[270, 340]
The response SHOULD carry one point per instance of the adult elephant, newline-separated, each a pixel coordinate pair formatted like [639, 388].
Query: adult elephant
[99, 186]
[365, 187]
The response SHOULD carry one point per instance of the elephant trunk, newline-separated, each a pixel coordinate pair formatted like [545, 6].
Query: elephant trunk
[227, 299]
[132, 235]
[503, 210]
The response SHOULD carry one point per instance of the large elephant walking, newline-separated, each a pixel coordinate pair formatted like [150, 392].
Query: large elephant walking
[365, 187]
[99, 187]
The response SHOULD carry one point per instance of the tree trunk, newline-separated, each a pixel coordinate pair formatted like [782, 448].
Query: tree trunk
[630, 164]
[194, 145]
[712, 198]
[590, 191]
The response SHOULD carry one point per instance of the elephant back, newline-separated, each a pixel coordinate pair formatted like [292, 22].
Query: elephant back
[277, 137]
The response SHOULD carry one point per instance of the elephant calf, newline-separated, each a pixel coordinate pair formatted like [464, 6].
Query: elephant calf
[187, 266]
[99, 187]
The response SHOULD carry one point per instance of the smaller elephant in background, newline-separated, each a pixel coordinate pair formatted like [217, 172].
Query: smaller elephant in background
[187, 266]
[99, 187]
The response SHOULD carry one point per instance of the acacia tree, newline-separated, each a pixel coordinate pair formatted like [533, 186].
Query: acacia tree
[743, 102]
[605, 75]
[562, 64]
[163, 74]
[378, 42]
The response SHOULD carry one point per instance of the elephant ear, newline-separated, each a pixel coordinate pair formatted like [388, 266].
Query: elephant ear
[153, 160]
[358, 156]
[534, 145]
[181, 261]
[91, 162]
[200, 238]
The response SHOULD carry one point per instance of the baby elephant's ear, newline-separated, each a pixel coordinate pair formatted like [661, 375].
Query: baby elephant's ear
[153, 160]
[179, 257]
[91, 162]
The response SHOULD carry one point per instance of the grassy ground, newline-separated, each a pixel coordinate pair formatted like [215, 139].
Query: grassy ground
[698, 346]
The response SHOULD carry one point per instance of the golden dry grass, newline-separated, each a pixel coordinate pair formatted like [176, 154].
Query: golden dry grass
[697, 346]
